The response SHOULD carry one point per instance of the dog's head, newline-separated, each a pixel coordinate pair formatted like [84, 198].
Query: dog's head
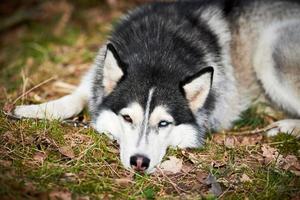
[149, 109]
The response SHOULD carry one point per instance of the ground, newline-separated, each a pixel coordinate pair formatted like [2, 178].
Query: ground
[45, 47]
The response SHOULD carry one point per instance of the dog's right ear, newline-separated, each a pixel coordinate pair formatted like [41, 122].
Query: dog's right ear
[113, 69]
[197, 88]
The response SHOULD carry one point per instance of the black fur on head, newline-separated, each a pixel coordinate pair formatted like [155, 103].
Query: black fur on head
[161, 47]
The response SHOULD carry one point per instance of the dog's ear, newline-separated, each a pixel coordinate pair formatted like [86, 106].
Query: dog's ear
[197, 87]
[113, 69]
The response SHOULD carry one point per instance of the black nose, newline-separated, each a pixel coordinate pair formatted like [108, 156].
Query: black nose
[139, 162]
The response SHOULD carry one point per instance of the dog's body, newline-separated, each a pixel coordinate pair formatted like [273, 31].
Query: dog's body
[172, 71]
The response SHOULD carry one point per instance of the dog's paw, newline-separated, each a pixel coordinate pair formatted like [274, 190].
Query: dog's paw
[289, 126]
[27, 111]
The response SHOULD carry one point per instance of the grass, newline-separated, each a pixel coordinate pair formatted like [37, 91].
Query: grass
[32, 165]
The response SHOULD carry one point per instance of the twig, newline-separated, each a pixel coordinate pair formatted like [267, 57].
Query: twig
[25, 80]
[33, 88]
[176, 187]
[253, 132]
[81, 155]
[112, 169]
[19, 17]
[223, 193]
[67, 10]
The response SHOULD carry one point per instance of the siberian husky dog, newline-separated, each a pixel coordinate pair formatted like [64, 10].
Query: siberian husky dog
[171, 71]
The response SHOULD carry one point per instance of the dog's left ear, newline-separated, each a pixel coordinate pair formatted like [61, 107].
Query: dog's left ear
[197, 88]
[113, 69]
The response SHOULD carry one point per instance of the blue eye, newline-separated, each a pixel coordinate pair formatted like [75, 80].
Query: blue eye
[163, 124]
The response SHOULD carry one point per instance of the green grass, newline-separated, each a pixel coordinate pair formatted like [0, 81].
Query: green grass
[92, 174]
[287, 144]
[96, 168]
[251, 118]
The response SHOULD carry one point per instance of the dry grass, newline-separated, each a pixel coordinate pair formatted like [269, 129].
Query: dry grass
[41, 159]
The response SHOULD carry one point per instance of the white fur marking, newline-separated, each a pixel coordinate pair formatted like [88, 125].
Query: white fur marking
[147, 110]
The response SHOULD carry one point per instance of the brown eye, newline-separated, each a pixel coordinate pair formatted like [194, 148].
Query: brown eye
[127, 118]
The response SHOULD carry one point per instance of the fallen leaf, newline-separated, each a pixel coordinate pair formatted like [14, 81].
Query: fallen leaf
[251, 140]
[187, 168]
[193, 158]
[39, 157]
[77, 139]
[83, 198]
[9, 137]
[201, 177]
[29, 187]
[42, 140]
[245, 178]
[215, 186]
[8, 107]
[229, 142]
[5, 163]
[231, 181]
[124, 181]
[218, 164]
[69, 177]
[219, 138]
[106, 196]
[291, 161]
[271, 154]
[60, 195]
[292, 164]
[297, 173]
[67, 151]
[28, 140]
[173, 165]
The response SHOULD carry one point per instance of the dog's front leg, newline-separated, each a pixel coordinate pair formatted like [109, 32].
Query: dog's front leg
[289, 126]
[62, 108]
